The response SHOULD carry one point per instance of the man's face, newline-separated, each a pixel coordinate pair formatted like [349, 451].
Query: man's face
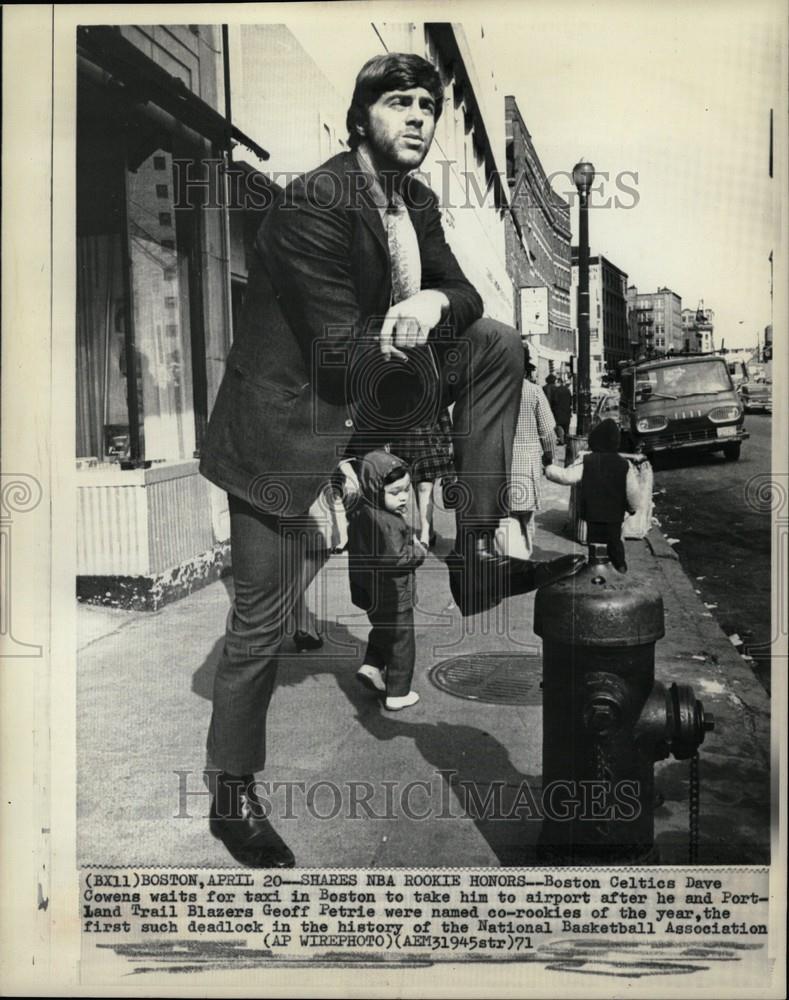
[400, 127]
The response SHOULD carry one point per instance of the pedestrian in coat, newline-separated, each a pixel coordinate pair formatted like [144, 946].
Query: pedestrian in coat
[562, 407]
[533, 447]
[549, 387]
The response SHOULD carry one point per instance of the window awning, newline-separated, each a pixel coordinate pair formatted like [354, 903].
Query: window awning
[146, 81]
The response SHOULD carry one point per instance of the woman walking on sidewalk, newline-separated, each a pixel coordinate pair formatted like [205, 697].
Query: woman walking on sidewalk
[532, 448]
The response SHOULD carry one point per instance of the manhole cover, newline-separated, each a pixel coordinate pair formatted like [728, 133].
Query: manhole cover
[497, 678]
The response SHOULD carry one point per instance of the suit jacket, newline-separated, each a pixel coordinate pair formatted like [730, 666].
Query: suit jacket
[317, 293]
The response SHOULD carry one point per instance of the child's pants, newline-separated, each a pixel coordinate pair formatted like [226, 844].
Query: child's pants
[391, 645]
[610, 534]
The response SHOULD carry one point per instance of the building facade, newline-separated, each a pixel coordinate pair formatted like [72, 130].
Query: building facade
[698, 327]
[655, 320]
[637, 323]
[538, 251]
[609, 336]
[667, 307]
[169, 197]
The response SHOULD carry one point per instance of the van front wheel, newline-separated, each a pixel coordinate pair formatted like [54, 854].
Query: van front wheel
[731, 452]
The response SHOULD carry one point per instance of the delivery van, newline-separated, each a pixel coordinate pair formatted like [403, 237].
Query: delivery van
[681, 402]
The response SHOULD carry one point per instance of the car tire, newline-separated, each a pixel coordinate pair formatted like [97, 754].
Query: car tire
[731, 452]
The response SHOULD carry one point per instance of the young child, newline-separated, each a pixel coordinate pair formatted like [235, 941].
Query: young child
[609, 489]
[382, 559]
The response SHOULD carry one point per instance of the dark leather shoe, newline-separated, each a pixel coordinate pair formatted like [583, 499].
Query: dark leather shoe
[305, 640]
[482, 579]
[238, 820]
[546, 573]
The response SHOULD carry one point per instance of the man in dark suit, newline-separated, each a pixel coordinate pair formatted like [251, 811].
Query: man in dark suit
[357, 315]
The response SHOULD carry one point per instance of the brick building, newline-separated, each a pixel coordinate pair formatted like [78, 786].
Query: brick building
[538, 250]
[609, 335]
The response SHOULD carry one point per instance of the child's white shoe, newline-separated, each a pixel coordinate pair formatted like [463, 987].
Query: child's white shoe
[405, 701]
[372, 678]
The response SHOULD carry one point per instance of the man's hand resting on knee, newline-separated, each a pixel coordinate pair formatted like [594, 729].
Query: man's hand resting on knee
[408, 323]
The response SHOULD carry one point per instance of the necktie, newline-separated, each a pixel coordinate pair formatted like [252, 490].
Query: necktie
[419, 393]
[403, 251]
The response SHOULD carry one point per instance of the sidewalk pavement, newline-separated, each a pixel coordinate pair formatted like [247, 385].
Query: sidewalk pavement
[356, 780]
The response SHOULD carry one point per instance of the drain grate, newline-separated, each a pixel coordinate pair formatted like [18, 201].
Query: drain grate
[496, 678]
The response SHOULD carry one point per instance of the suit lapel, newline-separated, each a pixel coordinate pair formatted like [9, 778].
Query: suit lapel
[372, 218]
[360, 199]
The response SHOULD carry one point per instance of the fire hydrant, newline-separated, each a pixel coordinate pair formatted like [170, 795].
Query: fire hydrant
[606, 720]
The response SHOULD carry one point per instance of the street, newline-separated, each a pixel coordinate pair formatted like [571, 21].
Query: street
[723, 536]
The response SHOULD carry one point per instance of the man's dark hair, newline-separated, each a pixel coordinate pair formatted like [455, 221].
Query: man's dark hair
[381, 74]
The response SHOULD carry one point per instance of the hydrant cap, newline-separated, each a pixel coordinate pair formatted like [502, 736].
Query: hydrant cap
[598, 607]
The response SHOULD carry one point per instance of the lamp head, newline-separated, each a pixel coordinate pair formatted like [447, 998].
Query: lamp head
[583, 176]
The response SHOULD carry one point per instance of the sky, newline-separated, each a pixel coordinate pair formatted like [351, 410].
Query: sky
[680, 95]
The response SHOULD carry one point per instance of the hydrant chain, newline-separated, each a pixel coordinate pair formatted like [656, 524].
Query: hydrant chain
[693, 810]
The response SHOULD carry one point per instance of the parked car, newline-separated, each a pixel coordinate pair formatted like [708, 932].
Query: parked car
[756, 392]
[677, 403]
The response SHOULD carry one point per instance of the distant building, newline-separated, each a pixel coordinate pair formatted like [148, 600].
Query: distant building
[639, 322]
[609, 338]
[697, 329]
[538, 251]
[655, 320]
[668, 320]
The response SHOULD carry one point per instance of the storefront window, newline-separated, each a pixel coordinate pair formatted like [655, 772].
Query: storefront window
[159, 257]
[102, 411]
[138, 289]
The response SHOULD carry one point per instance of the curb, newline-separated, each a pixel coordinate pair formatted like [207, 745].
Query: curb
[659, 545]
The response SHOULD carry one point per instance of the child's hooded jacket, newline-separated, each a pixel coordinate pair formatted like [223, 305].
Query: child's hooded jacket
[381, 555]
[604, 483]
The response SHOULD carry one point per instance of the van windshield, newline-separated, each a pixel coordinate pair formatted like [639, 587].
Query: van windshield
[676, 381]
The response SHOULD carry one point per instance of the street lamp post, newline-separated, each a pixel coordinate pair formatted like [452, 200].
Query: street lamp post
[583, 178]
